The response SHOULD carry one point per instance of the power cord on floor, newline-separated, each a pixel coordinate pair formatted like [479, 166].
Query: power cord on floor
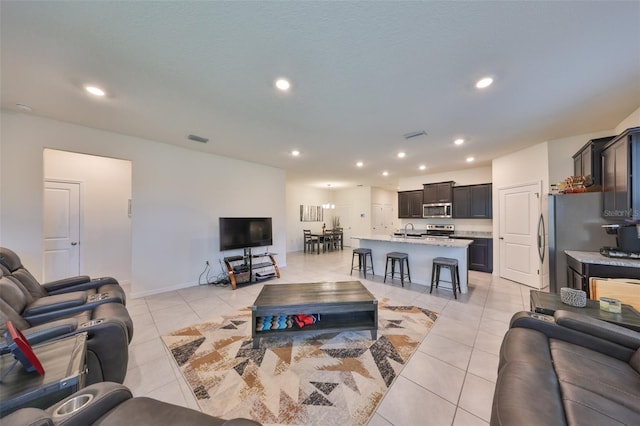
[222, 280]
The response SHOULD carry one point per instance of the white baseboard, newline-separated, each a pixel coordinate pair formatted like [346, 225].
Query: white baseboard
[136, 294]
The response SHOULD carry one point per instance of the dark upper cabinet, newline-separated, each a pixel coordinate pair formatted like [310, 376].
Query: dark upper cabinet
[586, 162]
[441, 192]
[472, 201]
[620, 174]
[410, 204]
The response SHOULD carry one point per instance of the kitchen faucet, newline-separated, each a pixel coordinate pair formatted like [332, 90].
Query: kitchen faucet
[405, 229]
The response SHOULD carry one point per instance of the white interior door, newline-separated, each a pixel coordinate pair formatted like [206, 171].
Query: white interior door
[344, 213]
[519, 211]
[61, 230]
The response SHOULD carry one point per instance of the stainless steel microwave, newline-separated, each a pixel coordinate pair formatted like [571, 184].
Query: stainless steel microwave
[435, 210]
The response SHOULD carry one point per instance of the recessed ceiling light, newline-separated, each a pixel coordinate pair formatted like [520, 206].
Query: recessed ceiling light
[484, 82]
[96, 91]
[458, 141]
[470, 159]
[283, 84]
[359, 164]
[385, 173]
[402, 155]
[422, 167]
[295, 153]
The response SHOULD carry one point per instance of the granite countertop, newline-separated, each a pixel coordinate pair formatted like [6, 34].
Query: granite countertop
[596, 258]
[473, 234]
[443, 242]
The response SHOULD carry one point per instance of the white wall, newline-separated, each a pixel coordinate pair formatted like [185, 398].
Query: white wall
[178, 195]
[357, 201]
[105, 185]
[562, 150]
[460, 177]
[633, 120]
[296, 195]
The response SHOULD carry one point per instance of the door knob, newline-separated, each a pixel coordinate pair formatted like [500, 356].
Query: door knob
[74, 243]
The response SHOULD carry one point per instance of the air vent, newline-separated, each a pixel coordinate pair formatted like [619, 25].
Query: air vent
[197, 138]
[412, 135]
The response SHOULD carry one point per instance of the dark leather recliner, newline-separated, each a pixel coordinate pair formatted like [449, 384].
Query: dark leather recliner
[110, 404]
[109, 328]
[44, 309]
[567, 369]
[11, 261]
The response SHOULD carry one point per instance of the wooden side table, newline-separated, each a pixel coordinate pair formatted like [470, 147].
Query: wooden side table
[548, 304]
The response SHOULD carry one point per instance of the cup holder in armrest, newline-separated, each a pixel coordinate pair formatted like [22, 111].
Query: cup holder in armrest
[91, 323]
[73, 405]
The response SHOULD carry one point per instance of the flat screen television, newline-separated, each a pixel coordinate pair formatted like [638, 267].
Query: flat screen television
[244, 232]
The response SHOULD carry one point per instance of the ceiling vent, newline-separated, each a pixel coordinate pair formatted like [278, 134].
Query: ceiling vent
[197, 138]
[412, 135]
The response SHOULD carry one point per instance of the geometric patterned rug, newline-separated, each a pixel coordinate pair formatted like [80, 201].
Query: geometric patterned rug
[304, 379]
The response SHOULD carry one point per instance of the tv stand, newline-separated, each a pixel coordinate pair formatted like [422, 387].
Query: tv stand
[251, 267]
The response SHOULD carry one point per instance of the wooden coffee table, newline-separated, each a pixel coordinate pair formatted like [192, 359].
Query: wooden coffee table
[345, 305]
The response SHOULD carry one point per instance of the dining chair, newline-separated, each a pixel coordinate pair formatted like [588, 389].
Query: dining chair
[337, 238]
[309, 240]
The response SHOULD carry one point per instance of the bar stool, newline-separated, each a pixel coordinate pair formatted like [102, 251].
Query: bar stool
[402, 258]
[450, 263]
[362, 260]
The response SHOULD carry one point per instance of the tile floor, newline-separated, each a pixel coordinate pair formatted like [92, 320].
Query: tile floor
[449, 380]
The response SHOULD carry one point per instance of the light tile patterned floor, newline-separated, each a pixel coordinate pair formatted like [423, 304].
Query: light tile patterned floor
[449, 380]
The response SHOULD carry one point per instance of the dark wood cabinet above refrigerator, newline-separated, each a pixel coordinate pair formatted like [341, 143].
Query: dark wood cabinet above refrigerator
[620, 176]
[587, 161]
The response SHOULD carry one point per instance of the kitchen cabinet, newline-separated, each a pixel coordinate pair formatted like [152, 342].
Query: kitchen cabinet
[472, 201]
[578, 273]
[410, 204]
[480, 254]
[441, 192]
[620, 164]
[587, 161]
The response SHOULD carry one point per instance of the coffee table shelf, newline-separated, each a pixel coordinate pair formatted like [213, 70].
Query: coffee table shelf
[342, 306]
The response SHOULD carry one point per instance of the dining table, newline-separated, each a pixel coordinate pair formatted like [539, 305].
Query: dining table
[329, 240]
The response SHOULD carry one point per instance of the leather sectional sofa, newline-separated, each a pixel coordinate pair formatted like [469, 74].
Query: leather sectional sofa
[110, 404]
[567, 369]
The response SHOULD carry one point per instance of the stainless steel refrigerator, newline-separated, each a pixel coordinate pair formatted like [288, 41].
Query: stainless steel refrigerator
[574, 224]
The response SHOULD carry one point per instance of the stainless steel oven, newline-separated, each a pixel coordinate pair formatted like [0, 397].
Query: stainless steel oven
[436, 210]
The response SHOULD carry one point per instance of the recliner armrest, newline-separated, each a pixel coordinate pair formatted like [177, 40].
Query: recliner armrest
[66, 282]
[105, 396]
[28, 417]
[59, 302]
[51, 330]
[600, 329]
[95, 283]
[548, 326]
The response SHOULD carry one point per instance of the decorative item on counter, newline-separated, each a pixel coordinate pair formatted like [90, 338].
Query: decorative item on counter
[324, 229]
[573, 297]
[610, 305]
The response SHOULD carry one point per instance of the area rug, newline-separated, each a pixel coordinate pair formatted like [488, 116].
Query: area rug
[306, 379]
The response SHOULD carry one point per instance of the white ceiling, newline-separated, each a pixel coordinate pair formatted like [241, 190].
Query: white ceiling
[363, 74]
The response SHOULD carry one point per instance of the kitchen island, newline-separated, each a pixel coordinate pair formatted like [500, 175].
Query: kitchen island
[421, 253]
